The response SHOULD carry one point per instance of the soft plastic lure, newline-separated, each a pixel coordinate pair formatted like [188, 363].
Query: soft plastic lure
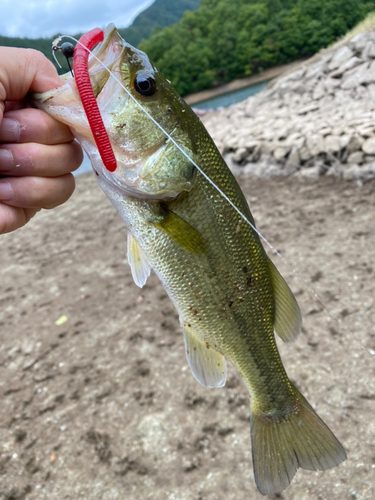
[82, 78]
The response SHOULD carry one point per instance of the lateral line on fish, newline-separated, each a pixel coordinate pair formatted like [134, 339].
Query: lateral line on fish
[276, 252]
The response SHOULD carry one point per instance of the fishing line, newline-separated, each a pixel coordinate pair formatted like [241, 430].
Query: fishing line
[274, 250]
[180, 149]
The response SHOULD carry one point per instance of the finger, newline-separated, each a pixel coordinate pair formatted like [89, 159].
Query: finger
[11, 105]
[12, 218]
[40, 160]
[25, 70]
[36, 192]
[33, 125]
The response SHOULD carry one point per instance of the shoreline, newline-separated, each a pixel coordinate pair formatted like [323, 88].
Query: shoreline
[240, 83]
[268, 74]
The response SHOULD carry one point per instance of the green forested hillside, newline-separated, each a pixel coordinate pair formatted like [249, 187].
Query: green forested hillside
[161, 13]
[227, 39]
[42, 44]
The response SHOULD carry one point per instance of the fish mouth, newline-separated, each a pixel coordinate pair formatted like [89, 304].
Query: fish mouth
[146, 167]
[101, 59]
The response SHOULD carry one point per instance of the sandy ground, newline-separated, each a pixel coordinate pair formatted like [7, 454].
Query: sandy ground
[103, 406]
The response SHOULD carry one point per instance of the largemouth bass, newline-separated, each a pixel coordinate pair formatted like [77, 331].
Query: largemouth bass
[229, 295]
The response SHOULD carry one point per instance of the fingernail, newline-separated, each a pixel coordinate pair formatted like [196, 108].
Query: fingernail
[6, 191]
[6, 159]
[9, 130]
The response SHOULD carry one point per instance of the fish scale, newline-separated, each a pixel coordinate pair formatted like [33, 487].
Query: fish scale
[229, 295]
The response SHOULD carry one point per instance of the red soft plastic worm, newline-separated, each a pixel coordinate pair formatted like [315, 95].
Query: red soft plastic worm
[81, 72]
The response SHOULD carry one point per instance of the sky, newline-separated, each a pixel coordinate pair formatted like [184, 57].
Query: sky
[45, 18]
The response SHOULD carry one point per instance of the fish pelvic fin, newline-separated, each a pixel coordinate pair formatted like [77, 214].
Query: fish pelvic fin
[138, 262]
[182, 233]
[206, 363]
[288, 319]
[280, 445]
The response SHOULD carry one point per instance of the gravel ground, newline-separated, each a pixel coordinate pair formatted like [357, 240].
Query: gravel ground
[102, 405]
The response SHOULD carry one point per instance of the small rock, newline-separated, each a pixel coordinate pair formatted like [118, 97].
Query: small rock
[332, 143]
[239, 155]
[369, 50]
[228, 160]
[366, 130]
[340, 56]
[319, 91]
[367, 77]
[344, 140]
[369, 159]
[266, 148]
[254, 156]
[249, 144]
[356, 157]
[337, 130]
[296, 140]
[297, 75]
[315, 144]
[293, 161]
[331, 83]
[353, 77]
[280, 153]
[359, 42]
[371, 90]
[369, 146]
[281, 132]
[367, 172]
[190, 463]
[315, 71]
[345, 66]
[355, 143]
[325, 131]
[304, 153]
[308, 108]
[310, 173]
[360, 174]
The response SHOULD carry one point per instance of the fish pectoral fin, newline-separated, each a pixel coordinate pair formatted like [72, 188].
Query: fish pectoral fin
[138, 262]
[182, 233]
[288, 319]
[206, 363]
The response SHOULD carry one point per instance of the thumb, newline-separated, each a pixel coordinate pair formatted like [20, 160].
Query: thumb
[25, 70]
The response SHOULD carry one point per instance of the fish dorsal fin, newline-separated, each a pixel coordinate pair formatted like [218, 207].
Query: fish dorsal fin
[206, 363]
[182, 233]
[138, 262]
[288, 319]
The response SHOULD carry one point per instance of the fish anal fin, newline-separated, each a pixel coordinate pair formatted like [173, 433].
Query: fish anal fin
[206, 363]
[280, 445]
[288, 319]
[182, 233]
[138, 262]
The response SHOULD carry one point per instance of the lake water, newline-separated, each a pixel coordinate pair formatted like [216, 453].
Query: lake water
[225, 100]
[221, 101]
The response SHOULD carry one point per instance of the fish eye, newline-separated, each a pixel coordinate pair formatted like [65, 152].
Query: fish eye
[145, 85]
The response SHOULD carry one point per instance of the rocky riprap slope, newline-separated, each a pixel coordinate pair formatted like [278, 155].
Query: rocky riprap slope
[317, 120]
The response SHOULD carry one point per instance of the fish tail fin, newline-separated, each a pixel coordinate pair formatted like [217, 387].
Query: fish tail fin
[282, 444]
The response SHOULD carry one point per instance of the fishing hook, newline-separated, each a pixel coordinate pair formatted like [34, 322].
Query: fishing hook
[67, 50]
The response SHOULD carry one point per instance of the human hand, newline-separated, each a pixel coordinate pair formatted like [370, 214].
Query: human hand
[37, 153]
